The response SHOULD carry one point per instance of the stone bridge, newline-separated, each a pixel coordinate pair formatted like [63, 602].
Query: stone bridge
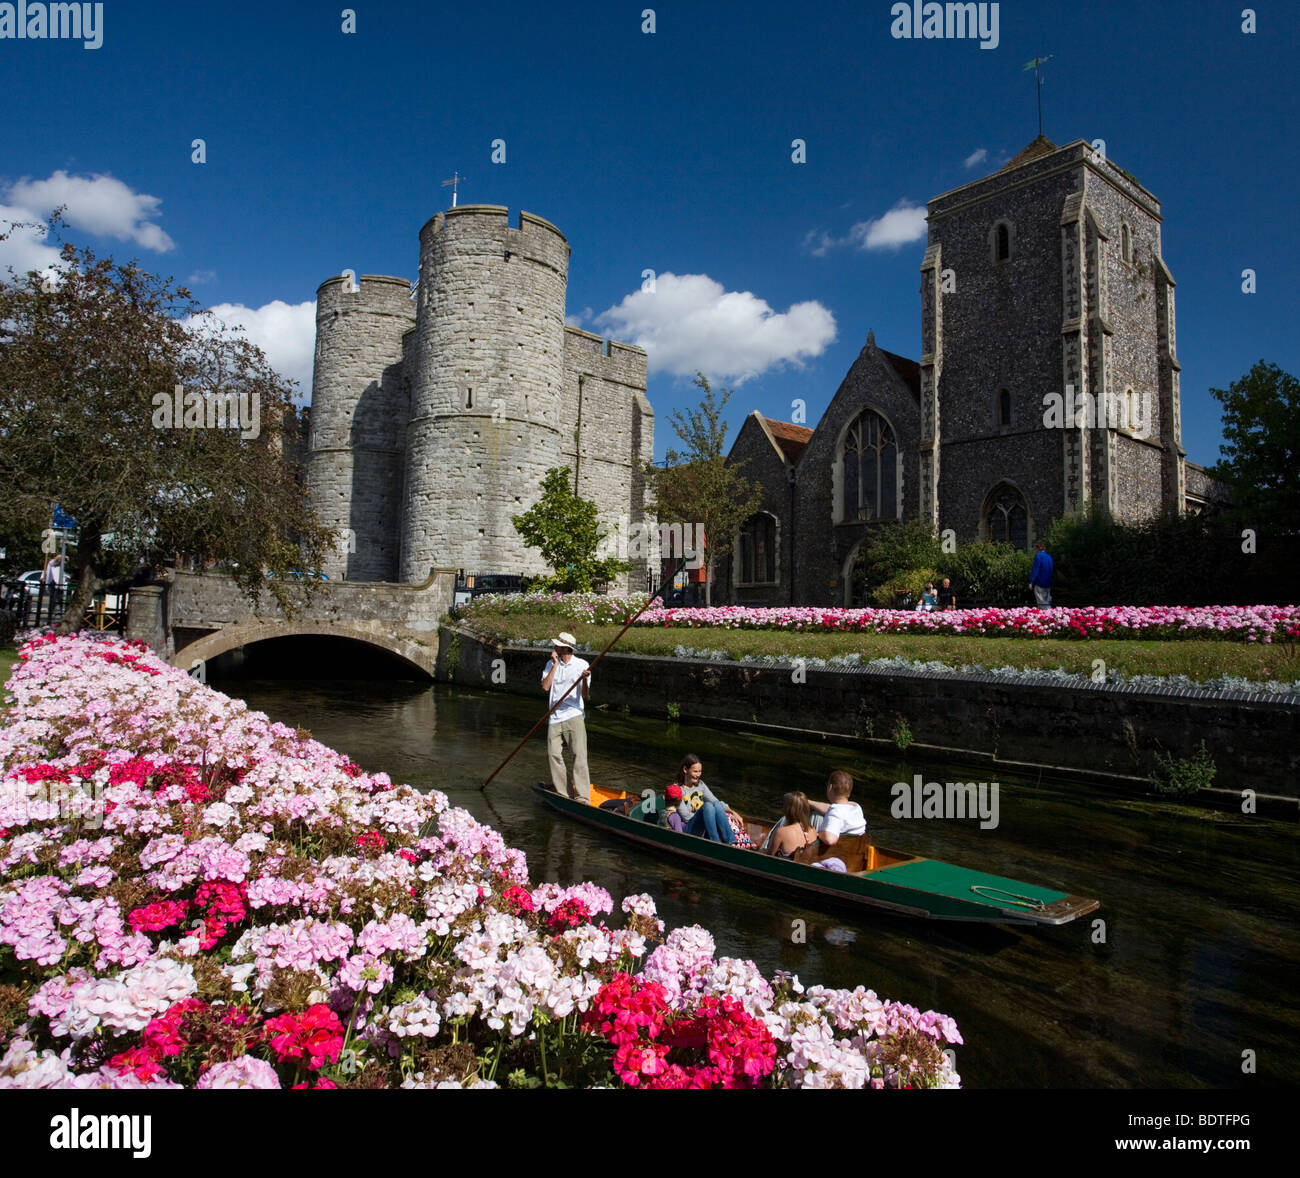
[194, 617]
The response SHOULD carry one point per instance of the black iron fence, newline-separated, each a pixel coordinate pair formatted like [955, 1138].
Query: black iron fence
[39, 604]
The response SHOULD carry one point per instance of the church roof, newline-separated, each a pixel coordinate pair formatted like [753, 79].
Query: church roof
[1039, 147]
[790, 437]
[909, 370]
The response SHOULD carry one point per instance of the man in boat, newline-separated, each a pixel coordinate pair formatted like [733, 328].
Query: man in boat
[837, 815]
[567, 729]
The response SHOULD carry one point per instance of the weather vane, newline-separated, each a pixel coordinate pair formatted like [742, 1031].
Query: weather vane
[1036, 65]
[452, 184]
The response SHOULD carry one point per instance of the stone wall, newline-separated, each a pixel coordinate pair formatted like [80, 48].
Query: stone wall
[606, 410]
[1098, 732]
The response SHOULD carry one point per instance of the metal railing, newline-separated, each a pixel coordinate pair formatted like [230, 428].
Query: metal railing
[41, 604]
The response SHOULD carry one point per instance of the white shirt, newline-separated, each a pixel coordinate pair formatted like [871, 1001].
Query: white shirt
[566, 673]
[844, 818]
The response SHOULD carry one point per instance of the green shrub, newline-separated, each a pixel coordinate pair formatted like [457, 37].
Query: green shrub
[891, 550]
[1194, 559]
[1182, 777]
[994, 573]
[913, 581]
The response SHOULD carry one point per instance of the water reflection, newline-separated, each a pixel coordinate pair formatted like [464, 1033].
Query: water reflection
[1194, 964]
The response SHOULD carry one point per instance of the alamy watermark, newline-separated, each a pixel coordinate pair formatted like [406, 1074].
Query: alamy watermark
[192, 409]
[68, 802]
[636, 541]
[949, 799]
[53, 22]
[951, 22]
[1129, 411]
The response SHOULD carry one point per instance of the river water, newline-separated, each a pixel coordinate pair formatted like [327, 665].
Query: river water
[1187, 983]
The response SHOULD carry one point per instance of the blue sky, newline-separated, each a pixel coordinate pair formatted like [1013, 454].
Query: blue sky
[668, 151]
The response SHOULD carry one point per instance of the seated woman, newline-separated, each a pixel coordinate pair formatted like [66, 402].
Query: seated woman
[795, 828]
[702, 813]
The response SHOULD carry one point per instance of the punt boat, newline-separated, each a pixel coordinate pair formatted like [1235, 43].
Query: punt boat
[876, 877]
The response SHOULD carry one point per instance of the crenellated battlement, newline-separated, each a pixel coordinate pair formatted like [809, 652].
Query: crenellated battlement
[375, 294]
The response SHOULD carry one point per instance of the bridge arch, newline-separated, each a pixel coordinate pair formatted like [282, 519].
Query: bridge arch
[414, 652]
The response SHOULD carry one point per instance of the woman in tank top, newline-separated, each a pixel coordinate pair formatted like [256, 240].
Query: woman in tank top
[796, 830]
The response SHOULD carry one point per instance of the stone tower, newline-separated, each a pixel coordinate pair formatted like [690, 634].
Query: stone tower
[434, 419]
[1045, 279]
[487, 380]
[356, 445]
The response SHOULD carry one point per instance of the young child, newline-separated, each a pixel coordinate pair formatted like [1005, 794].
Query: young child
[669, 816]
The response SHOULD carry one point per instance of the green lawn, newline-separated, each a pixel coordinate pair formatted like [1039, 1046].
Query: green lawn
[1198, 660]
[8, 656]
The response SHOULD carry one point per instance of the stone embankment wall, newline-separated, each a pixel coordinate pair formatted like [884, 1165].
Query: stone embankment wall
[1095, 732]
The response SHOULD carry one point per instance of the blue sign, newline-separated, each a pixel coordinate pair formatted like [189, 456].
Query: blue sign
[62, 519]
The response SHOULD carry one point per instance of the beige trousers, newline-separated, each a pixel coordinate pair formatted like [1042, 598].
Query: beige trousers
[573, 735]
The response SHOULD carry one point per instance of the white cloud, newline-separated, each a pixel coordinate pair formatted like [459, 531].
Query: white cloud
[577, 320]
[978, 156]
[902, 225]
[199, 277]
[285, 332]
[689, 323]
[95, 204]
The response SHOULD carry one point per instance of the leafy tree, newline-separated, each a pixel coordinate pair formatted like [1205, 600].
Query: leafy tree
[566, 530]
[1261, 449]
[699, 485]
[90, 361]
[892, 550]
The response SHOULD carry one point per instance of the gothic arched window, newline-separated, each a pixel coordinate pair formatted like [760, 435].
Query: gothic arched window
[1125, 244]
[1006, 516]
[869, 462]
[756, 550]
[1004, 407]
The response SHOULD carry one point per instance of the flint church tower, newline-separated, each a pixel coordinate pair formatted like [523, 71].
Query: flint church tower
[1049, 378]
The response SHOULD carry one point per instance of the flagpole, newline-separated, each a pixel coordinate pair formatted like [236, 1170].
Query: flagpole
[1038, 74]
[1036, 65]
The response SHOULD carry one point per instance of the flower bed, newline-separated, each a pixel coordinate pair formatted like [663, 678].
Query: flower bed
[1255, 623]
[193, 896]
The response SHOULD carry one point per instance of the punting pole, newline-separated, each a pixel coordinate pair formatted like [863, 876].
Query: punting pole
[660, 594]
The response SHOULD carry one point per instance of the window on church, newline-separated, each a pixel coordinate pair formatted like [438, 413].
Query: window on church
[1006, 517]
[1003, 243]
[870, 469]
[1004, 407]
[1125, 244]
[469, 398]
[756, 550]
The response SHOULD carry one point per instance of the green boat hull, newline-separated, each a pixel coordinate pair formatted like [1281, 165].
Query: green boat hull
[921, 888]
